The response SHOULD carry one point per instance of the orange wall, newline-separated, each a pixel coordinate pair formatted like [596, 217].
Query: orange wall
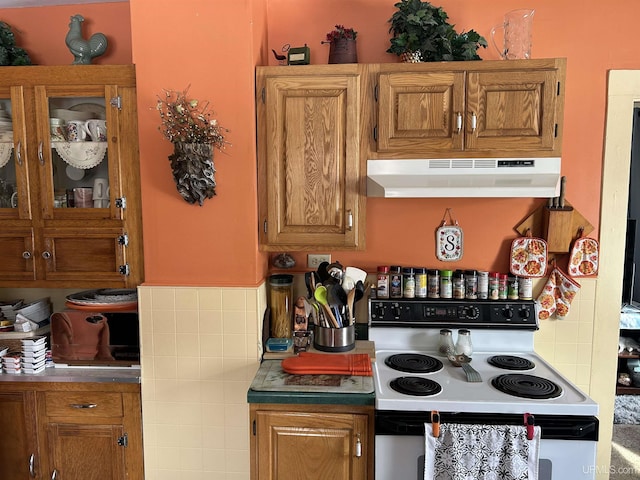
[42, 30]
[213, 46]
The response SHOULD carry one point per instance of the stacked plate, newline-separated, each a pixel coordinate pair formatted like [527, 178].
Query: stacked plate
[6, 126]
[11, 363]
[34, 352]
[104, 299]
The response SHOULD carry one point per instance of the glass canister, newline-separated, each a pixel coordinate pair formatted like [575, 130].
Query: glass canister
[463, 344]
[445, 346]
[281, 305]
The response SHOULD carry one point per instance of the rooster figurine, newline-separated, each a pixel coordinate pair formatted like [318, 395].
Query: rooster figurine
[84, 50]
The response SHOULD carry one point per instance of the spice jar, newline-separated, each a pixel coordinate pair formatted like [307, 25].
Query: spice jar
[382, 289]
[408, 282]
[433, 284]
[458, 284]
[421, 282]
[471, 284]
[503, 287]
[281, 305]
[512, 287]
[483, 285]
[395, 282]
[463, 345]
[446, 289]
[494, 285]
[445, 346]
[525, 289]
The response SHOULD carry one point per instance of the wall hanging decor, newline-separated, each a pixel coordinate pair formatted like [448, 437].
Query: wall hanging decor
[449, 239]
[342, 45]
[84, 51]
[194, 134]
[421, 33]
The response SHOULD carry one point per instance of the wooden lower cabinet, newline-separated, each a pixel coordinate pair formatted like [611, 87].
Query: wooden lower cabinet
[71, 431]
[295, 442]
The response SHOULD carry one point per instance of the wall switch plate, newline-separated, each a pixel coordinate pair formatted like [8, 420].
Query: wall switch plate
[313, 261]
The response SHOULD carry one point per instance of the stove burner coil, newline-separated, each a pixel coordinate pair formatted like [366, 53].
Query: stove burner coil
[413, 363]
[511, 362]
[417, 386]
[526, 386]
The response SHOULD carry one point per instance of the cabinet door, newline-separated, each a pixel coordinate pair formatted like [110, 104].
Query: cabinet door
[514, 111]
[16, 254]
[85, 452]
[310, 161]
[18, 441]
[310, 446]
[420, 111]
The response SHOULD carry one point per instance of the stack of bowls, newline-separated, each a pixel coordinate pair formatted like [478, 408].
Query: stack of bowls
[6, 126]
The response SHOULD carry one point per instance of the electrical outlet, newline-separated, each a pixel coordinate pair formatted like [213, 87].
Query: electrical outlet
[313, 261]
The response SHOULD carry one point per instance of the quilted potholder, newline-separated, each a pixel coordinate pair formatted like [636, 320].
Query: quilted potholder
[583, 260]
[528, 257]
[449, 239]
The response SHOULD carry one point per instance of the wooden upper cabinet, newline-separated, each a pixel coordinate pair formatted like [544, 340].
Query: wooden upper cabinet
[48, 239]
[470, 109]
[309, 168]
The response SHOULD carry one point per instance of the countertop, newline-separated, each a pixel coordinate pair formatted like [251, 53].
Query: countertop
[77, 374]
[272, 385]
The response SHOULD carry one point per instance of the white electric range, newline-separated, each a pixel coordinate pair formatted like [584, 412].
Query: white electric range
[412, 380]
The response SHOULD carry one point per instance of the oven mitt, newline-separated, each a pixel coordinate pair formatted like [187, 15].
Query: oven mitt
[557, 295]
[583, 260]
[308, 363]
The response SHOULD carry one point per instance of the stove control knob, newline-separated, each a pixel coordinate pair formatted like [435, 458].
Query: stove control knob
[396, 311]
[524, 313]
[507, 313]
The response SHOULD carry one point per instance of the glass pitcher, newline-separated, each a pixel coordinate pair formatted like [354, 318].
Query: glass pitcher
[517, 28]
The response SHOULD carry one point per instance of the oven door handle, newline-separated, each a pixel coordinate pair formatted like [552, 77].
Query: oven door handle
[392, 426]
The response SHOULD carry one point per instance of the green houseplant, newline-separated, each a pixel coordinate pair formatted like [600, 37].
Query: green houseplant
[10, 53]
[421, 32]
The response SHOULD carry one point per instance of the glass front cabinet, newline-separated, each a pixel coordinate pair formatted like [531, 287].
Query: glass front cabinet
[69, 177]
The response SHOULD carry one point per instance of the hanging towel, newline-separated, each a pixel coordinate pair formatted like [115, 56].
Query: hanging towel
[307, 363]
[481, 452]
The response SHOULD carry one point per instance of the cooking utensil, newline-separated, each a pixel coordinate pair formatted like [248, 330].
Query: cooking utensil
[355, 273]
[307, 281]
[359, 288]
[336, 271]
[351, 296]
[320, 295]
[322, 272]
[348, 283]
[461, 360]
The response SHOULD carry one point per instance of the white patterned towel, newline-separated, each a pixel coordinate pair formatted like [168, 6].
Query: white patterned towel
[481, 452]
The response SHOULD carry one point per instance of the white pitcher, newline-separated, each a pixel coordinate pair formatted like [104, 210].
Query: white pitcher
[97, 129]
[517, 28]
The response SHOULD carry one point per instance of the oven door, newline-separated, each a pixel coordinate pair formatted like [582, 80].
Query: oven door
[567, 446]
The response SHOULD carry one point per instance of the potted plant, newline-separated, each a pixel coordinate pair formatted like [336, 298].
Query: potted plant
[194, 134]
[421, 32]
[342, 45]
[10, 53]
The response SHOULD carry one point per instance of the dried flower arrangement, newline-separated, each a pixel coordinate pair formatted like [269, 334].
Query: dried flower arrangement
[341, 32]
[184, 119]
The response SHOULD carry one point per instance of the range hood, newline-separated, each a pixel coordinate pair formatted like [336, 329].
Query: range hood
[464, 177]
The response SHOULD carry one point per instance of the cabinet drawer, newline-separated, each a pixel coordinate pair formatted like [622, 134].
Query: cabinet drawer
[83, 404]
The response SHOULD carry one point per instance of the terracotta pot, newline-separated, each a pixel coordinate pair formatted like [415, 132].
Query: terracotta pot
[193, 171]
[343, 50]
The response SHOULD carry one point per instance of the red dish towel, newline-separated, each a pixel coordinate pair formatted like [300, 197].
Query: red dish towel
[307, 363]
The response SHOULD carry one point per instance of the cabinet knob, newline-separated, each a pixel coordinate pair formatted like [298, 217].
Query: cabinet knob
[54, 475]
[46, 255]
[83, 405]
[26, 255]
[32, 465]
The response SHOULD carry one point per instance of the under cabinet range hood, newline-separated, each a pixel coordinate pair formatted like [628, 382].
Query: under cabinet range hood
[464, 177]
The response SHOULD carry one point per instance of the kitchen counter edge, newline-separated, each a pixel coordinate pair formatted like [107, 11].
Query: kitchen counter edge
[75, 375]
[309, 398]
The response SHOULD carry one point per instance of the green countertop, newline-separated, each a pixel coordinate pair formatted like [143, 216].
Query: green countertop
[272, 385]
